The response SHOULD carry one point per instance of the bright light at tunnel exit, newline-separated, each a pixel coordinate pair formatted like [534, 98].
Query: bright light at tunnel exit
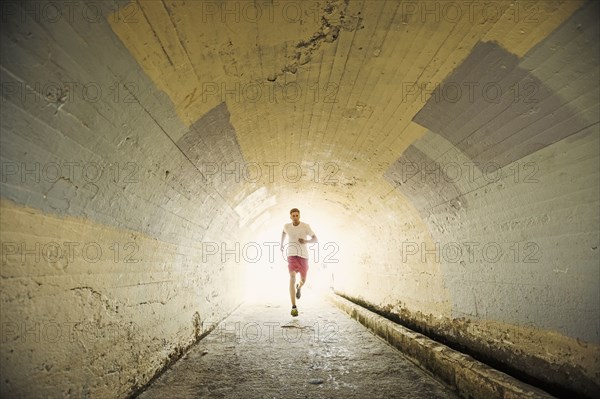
[267, 278]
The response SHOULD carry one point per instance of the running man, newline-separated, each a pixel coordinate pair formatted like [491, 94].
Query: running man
[297, 253]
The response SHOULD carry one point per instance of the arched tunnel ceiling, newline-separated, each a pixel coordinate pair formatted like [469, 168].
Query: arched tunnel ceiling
[339, 87]
[199, 96]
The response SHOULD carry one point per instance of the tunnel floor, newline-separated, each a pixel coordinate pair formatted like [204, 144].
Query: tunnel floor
[261, 351]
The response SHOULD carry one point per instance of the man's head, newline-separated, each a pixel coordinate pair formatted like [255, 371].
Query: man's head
[295, 216]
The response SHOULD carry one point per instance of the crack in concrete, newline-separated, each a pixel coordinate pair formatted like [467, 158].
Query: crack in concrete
[328, 33]
[105, 302]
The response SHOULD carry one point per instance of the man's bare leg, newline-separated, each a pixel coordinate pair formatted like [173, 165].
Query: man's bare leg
[293, 288]
[299, 286]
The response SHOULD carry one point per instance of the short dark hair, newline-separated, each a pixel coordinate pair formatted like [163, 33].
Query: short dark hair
[294, 210]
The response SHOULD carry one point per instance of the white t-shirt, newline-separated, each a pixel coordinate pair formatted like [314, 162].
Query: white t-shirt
[293, 247]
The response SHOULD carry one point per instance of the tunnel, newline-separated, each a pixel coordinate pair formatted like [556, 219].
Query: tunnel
[444, 153]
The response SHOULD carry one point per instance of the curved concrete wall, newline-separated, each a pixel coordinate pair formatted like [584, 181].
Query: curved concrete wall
[450, 152]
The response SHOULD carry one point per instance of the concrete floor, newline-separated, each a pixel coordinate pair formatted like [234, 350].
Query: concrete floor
[260, 351]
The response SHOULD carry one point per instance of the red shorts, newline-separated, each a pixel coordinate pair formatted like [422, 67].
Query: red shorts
[298, 264]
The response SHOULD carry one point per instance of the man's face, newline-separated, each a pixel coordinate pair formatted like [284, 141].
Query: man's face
[295, 216]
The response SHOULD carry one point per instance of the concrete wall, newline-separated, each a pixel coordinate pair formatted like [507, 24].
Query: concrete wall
[506, 181]
[128, 128]
[103, 216]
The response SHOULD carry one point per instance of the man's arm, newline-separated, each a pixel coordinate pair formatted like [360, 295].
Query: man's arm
[312, 239]
[282, 239]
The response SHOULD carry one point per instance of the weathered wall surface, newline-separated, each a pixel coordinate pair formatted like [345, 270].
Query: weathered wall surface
[449, 150]
[516, 180]
[505, 181]
[103, 216]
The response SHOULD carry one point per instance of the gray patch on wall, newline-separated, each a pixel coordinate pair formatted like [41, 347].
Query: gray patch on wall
[106, 158]
[211, 145]
[415, 173]
[496, 108]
